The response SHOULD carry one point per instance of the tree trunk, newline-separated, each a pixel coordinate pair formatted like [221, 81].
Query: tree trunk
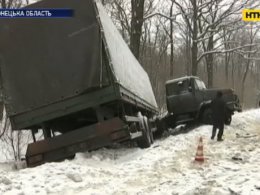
[188, 56]
[227, 55]
[248, 62]
[194, 53]
[226, 66]
[209, 61]
[136, 26]
[3, 3]
[244, 78]
[233, 72]
[194, 48]
[171, 39]
[258, 76]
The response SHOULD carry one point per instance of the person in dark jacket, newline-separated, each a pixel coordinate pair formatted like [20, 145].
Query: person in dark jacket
[218, 107]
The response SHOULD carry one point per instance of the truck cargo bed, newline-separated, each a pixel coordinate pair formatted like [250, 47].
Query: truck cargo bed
[75, 76]
[65, 65]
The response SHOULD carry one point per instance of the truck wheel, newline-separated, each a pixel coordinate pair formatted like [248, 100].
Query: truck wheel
[71, 157]
[145, 140]
[207, 116]
[228, 120]
[160, 126]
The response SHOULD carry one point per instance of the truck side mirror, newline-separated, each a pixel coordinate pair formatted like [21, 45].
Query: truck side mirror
[190, 89]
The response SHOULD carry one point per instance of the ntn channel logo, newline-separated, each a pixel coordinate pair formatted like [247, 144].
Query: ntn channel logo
[251, 15]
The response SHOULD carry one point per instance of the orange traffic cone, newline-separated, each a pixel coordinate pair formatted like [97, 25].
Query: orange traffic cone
[199, 154]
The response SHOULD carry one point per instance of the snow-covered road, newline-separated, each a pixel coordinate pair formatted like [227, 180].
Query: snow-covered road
[167, 167]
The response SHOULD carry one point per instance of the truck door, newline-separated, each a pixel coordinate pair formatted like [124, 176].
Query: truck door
[199, 88]
[180, 98]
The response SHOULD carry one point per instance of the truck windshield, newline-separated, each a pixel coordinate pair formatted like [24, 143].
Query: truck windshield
[177, 88]
[200, 84]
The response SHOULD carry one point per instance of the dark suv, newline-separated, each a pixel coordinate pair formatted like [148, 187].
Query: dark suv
[188, 99]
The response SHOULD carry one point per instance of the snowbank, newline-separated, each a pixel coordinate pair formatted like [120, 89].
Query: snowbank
[232, 167]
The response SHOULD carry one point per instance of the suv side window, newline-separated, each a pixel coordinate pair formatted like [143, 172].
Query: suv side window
[199, 84]
[177, 88]
[196, 86]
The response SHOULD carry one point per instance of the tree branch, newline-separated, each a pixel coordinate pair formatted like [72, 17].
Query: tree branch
[224, 51]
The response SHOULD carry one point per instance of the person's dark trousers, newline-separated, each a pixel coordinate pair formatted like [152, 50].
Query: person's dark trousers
[214, 130]
[220, 132]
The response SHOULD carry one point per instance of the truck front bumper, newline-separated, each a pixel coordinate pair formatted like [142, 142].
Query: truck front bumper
[234, 106]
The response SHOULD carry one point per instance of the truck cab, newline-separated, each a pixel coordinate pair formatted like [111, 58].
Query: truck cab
[184, 94]
[188, 99]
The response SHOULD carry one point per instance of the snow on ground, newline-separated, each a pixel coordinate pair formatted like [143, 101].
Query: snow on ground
[168, 167]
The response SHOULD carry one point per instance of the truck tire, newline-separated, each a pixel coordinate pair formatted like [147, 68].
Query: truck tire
[71, 157]
[207, 116]
[160, 126]
[145, 140]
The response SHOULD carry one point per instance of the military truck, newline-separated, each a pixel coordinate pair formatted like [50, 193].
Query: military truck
[75, 76]
[188, 100]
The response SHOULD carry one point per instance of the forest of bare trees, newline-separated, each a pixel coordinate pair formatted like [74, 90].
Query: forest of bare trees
[207, 38]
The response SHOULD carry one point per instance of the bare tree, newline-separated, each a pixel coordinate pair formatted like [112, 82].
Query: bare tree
[171, 40]
[190, 13]
[137, 11]
[13, 3]
[205, 19]
[179, 36]
[12, 139]
[248, 63]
